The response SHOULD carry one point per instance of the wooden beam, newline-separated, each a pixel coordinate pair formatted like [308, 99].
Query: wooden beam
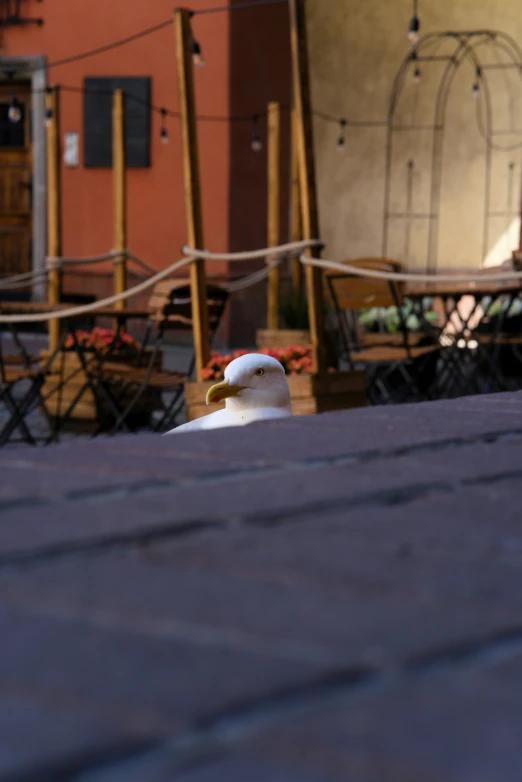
[273, 189]
[186, 98]
[119, 195]
[54, 227]
[309, 213]
[295, 208]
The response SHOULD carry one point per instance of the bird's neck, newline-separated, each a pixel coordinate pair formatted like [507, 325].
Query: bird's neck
[242, 405]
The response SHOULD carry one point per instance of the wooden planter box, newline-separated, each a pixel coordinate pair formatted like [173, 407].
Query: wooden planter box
[67, 368]
[281, 338]
[309, 394]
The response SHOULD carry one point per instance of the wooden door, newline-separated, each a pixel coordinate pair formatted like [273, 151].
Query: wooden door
[15, 181]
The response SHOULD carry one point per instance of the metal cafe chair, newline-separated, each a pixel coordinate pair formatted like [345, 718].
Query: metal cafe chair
[21, 382]
[399, 366]
[171, 310]
[499, 336]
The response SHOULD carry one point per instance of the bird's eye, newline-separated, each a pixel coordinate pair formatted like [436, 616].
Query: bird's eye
[260, 371]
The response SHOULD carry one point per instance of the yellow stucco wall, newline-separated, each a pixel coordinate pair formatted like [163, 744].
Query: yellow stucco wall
[356, 48]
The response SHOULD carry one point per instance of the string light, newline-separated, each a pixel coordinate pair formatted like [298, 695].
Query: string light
[197, 57]
[341, 140]
[165, 112]
[414, 28]
[256, 142]
[48, 111]
[14, 112]
[164, 134]
[417, 72]
[475, 90]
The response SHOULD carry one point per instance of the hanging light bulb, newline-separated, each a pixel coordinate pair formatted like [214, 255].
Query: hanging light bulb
[341, 146]
[256, 142]
[48, 111]
[164, 134]
[14, 112]
[414, 28]
[417, 72]
[475, 90]
[197, 57]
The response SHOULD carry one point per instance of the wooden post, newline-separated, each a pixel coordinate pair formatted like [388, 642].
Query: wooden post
[54, 228]
[273, 189]
[119, 195]
[309, 213]
[295, 209]
[198, 287]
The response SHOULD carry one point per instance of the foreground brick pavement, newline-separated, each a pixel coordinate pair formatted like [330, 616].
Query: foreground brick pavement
[321, 599]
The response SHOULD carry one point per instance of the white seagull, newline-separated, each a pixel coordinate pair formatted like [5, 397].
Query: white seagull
[255, 389]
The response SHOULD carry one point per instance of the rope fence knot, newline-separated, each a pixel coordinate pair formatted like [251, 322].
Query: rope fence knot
[119, 256]
[53, 262]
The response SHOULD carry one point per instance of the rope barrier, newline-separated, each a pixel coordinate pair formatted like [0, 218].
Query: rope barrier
[118, 255]
[20, 286]
[292, 248]
[139, 262]
[251, 279]
[21, 280]
[275, 253]
[57, 262]
[71, 312]
[357, 271]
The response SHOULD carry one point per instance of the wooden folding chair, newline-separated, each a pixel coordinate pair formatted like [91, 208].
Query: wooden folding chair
[397, 364]
[15, 371]
[171, 310]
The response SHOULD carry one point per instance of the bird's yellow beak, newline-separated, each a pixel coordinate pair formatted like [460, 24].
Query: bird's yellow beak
[220, 391]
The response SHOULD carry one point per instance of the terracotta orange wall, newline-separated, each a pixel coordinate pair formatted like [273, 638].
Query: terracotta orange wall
[156, 218]
[247, 65]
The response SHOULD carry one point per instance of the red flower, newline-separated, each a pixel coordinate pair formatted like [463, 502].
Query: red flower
[98, 339]
[295, 360]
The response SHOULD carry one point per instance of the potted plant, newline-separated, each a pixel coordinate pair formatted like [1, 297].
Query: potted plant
[293, 312]
[76, 367]
[309, 393]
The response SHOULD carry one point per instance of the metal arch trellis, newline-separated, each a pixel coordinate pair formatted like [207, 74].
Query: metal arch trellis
[467, 45]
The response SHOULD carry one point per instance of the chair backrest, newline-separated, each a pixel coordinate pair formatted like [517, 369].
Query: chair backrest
[357, 293]
[170, 303]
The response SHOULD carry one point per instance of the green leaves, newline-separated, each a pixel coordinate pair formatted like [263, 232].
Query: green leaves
[389, 318]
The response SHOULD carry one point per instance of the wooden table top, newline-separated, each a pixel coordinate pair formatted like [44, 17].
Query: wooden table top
[127, 314]
[39, 307]
[477, 289]
[29, 307]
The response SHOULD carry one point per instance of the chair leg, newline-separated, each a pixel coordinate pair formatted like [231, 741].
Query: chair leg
[18, 413]
[171, 411]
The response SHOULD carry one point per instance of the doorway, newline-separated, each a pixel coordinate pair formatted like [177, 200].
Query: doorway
[23, 190]
[16, 223]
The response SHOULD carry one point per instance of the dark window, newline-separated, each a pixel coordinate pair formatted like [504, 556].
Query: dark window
[97, 121]
[12, 134]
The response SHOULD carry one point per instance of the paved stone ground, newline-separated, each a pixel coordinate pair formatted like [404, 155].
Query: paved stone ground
[323, 599]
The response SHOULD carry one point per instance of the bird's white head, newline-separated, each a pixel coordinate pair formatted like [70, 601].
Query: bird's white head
[252, 381]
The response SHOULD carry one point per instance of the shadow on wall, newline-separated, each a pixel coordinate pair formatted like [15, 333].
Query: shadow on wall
[356, 52]
[260, 72]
